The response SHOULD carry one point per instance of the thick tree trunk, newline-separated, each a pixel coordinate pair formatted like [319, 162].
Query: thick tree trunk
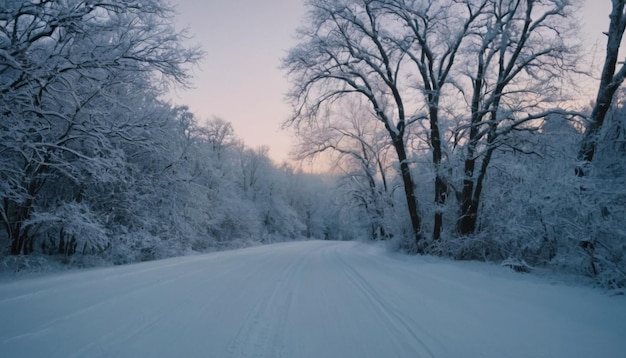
[466, 224]
[441, 188]
[16, 242]
[598, 114]
[409, 190]
[21, 244]
[467, 220]
[472, 189]
[473, 212]
[609, 83]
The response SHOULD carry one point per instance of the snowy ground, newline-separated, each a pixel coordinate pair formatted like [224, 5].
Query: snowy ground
[307, 299]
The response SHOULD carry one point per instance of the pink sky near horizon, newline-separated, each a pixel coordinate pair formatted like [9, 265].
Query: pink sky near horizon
[240, 80]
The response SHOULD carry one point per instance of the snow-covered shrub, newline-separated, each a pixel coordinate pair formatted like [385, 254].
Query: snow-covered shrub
[69, 228]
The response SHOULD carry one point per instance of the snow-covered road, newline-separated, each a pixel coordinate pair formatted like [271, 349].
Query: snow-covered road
[306, 299]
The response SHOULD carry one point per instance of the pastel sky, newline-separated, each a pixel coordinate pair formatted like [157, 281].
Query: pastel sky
[240, 80]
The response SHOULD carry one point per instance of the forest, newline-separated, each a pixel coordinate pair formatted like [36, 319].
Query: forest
[453, 128]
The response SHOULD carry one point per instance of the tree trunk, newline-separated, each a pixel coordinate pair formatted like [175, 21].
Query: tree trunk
[409, 190]
[472, 188]
[441, 188]
[467, 221]
[609, 83]
[598, 114]
[16, 241]
[21, 243]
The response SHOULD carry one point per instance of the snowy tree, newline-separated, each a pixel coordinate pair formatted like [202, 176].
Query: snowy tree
[434, 33]
[220, 134]
[504, 59]
[515, 67]
[551, 218]
[66, 71]
[359, 150]
[611, 79]
[345, 51]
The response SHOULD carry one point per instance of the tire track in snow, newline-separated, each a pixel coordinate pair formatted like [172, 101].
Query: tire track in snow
[106, 344]
[263, 331]
[317, 299]
[390, 316]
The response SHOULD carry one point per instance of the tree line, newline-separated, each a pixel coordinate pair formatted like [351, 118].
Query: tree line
[96, 168]
[466, 104]
[448, 125]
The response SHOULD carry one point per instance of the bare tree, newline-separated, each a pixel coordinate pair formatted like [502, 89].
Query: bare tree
[220, 134]
[610, 80]
[345, 51]
[516, 65]
[358, 147]
[435, 33]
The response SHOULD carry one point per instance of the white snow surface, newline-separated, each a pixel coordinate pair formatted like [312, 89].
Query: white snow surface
[307, 299]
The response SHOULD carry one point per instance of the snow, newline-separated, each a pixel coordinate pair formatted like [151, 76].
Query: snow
[307, 299]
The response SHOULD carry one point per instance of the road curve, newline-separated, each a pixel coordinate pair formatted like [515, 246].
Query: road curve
[306, 299]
